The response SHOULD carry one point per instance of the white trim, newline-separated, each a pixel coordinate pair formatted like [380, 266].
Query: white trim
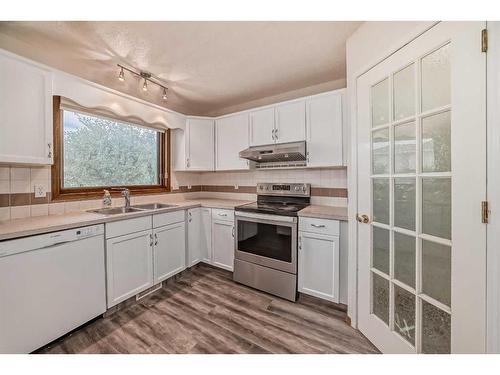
[352, 178]
[493, 189]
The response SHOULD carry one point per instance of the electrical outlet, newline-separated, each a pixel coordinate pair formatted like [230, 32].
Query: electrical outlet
[40, 191]
[189, 187]
[236, 187]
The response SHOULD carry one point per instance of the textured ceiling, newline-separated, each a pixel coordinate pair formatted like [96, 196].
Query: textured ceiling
[208, 66]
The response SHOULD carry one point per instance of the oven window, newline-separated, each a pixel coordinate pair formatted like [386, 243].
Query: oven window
[267, 240]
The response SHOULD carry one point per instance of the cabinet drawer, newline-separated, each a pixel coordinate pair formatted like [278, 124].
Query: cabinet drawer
[321, 226]
[221, 214]
[168, 218]
[119, 228]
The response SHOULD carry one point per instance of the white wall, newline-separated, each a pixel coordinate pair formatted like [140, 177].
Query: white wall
[370, 44]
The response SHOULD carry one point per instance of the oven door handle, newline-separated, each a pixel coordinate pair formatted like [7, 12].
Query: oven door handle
[269, 217]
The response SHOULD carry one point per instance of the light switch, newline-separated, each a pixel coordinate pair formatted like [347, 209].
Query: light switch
[40, 191]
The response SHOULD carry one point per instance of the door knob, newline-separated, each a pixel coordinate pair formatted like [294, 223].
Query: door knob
[363, 218]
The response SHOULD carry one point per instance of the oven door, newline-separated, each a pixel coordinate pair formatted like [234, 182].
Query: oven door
[267, 240]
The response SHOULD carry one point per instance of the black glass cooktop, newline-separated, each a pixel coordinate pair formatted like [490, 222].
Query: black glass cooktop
[275, 206]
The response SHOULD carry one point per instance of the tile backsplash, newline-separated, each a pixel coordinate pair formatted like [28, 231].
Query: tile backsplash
[17, 199]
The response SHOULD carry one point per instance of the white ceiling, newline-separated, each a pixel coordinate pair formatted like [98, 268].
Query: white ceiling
[208, 66]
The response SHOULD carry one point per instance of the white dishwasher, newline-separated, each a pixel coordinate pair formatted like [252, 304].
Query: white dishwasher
[49, 285]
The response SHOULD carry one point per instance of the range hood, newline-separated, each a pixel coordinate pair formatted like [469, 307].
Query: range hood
[278, 155]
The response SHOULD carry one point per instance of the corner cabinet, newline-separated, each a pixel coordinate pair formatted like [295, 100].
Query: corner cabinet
[325, 130]
[231, 137]
[193, 148]
[25, 111]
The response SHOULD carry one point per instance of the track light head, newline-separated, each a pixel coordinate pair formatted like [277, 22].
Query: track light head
[145, 85]
[121, 76]
[164, 96]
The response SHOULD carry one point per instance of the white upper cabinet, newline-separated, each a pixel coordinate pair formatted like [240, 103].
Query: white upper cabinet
[262, 127]
[290, 122]
[231, 137]
[325, 130]
[25, 112]
[200, 144]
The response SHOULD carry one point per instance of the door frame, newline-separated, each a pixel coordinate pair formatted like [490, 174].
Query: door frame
[493, 188]
[352, 164]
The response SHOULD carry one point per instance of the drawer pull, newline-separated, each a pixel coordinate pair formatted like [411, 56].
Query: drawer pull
[318, 225]
[222, 214]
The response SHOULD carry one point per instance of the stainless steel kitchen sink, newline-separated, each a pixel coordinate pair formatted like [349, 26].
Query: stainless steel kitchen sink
[115, 210]
[153, 206]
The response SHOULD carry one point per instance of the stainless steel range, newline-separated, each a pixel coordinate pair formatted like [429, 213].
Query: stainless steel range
[266, 239]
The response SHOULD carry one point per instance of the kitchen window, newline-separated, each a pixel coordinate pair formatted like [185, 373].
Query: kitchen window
[94, 152]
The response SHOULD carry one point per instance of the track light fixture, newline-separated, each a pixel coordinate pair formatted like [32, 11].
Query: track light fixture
[147, 77]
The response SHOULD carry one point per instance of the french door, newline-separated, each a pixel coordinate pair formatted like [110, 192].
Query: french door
[421, 178]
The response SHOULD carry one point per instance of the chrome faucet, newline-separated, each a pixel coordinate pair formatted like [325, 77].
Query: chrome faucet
[125, 194]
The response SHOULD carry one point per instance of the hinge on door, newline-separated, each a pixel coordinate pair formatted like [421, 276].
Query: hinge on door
[484, 40]
[485, 212]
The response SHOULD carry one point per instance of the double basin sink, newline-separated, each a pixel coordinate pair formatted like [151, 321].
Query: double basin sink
[134, 208]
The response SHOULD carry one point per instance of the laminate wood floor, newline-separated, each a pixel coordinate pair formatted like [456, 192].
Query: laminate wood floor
[204, 311]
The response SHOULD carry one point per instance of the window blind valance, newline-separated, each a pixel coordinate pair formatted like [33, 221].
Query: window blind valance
[84, 96]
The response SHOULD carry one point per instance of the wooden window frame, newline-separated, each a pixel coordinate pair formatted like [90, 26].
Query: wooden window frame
[59, 193]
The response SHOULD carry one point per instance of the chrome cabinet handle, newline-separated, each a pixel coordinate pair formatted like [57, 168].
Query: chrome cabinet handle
[232, 232]
[156, 239]
[187, 163]
[150, 240]
[276, 134]
[318, 225]
[49, 155]
[190, 217]
[300, 243]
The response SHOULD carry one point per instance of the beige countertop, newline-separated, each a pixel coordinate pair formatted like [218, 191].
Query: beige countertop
[10, 229]
[324, 212]
[43, 224]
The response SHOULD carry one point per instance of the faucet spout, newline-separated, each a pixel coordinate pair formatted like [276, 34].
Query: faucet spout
[125, 194]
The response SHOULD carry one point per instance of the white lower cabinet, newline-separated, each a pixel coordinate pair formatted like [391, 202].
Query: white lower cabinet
[223, 244]
[129, 265]
[206, 235]
[139, 256]
[318, 265]
[169, 251]
[194, 253]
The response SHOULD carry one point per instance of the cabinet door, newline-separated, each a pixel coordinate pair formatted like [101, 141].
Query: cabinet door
[25, 112]
[223, 244]
[178, 146]
[262, 127]
[206, 235]
[324, 130]
[200, 144]
[291, 122]
[231, 137]
[318, 267]
[129, 265]
[194, 253]
[169, 250]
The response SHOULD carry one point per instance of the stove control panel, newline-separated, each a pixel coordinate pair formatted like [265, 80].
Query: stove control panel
[297, 190]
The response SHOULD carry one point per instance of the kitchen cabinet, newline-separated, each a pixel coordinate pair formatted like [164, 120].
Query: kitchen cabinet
[200, 144]
[290, 122]
[143, 251]
[325, 130]
[193, 148]
[129, 265]
[231, 137]
[262, 127]
[194, 251]
[169, 250]
[318, 269]
[206, 235]
[25, 111]
[223, 238]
